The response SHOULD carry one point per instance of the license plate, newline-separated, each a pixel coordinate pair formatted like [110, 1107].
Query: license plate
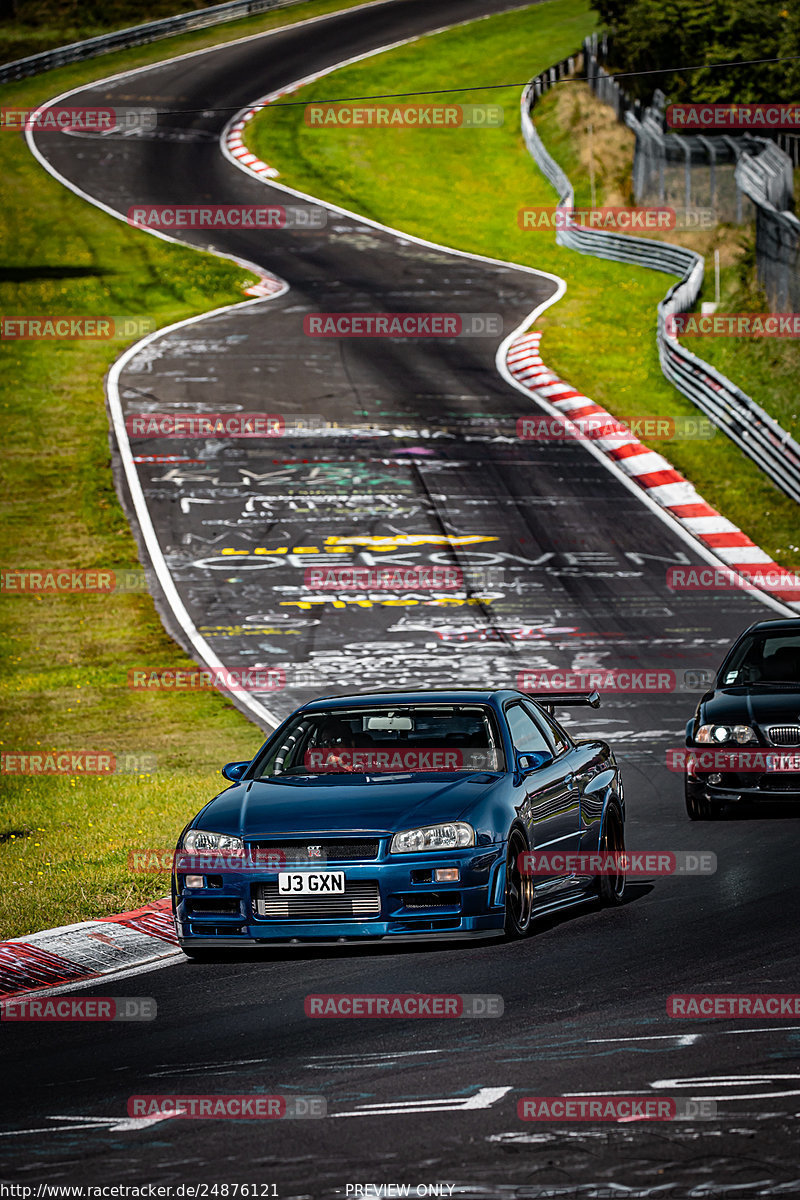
[311, 883]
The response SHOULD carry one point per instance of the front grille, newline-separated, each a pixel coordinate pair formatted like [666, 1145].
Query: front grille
[296, 849]
[784, 735]
[789, 782]
[362, 899]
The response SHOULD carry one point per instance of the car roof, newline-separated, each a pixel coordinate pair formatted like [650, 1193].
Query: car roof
[433, 695]
[781, 623]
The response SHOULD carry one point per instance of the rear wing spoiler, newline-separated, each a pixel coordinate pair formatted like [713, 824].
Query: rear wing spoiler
[551, 700]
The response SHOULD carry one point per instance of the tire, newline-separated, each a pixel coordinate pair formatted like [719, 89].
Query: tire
[611, 888]
[519, 889]
[699, 807]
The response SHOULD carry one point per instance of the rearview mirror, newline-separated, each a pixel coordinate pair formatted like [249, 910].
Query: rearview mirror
[235, 770]
[532, 762]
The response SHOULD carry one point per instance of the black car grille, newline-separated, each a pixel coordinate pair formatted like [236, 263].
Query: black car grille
[784, 735]
[296, 850]
[789, 782]
[360, 899]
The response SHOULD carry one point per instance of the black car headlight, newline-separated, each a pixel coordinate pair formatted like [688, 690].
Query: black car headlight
[455, 835]
[720, 735]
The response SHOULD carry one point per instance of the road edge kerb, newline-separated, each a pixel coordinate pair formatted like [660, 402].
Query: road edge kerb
[673, 493]
[87, 951]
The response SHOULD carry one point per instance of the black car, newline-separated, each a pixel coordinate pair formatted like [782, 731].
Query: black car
[749, 722]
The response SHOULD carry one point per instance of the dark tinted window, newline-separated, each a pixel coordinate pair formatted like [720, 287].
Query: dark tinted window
[525, 733]
[768, 657]
[556, 733]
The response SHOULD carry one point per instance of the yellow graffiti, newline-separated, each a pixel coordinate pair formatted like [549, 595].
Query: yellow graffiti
[441, 601]
[381, 545]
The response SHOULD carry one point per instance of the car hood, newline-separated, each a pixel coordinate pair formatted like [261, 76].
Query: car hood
[752, 706]
[355, 804]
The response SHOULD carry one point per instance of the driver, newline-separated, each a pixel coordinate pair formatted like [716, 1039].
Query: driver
[334, 736]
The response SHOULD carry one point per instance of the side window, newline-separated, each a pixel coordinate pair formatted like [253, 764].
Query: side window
[525, 733]
[557, 735]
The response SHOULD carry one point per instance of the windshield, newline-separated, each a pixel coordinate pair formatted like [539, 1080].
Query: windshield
[764, 658]
[396, 739]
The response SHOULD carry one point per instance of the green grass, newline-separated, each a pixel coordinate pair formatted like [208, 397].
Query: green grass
[464, 188]
[42, 24]
[768, 369]
[63, 78]
[64, 841]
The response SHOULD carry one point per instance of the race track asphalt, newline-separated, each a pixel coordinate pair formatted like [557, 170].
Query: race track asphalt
[579, 581]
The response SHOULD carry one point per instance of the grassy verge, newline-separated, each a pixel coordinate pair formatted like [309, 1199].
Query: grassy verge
[44, 24]
[464, 188]
[64, 840]
[52, 83]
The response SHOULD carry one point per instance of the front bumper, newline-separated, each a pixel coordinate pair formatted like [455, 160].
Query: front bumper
[409, 903]
[742, 786]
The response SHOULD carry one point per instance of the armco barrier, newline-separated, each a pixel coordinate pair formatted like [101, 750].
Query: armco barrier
[136, 35]
[744, 421]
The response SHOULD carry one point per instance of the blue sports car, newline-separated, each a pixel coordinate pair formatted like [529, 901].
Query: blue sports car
[402, 816]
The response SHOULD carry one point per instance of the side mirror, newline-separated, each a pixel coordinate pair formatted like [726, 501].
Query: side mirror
[235, 770]
[532, 762]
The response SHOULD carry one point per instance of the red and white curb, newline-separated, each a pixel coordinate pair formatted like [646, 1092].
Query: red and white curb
[654, 474]
[87, 951]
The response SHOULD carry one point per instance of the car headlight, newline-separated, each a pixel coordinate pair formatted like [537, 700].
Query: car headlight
[719, 734]
[200, 841]
[453, 836]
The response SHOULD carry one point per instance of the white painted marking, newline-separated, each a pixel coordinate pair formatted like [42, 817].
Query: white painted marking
[744, 554]
[484, 1098]
[110, 1124]
[702, 1082]
[643, 464]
